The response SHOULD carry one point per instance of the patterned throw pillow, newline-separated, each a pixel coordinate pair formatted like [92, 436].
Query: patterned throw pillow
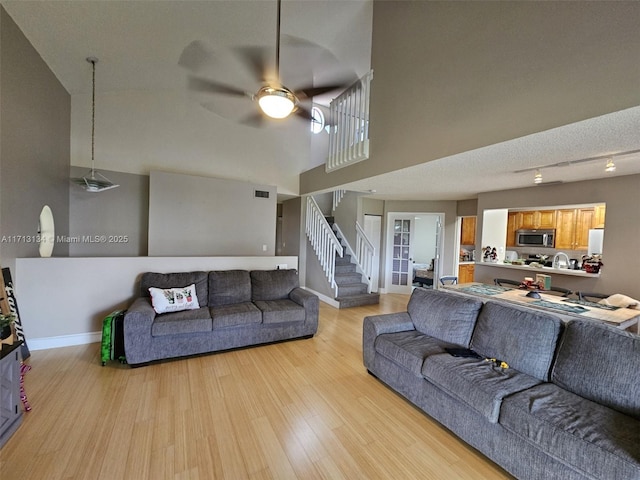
[166, 300]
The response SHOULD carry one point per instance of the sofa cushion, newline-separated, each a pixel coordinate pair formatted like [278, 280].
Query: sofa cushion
[280, 311]
[186, 321]
[447, 316]
[601, 363]
[480, 384]
[409, 349]
[174, 280]
[272, 284]
[227, 287]
[595, 439]
[523, 338]
[244, 313]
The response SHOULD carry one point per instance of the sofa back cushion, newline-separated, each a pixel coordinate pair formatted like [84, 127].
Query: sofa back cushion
[273, 284]
[228, 287]
[176, 280]
[523, 338]
[446, 316]
[601, 363]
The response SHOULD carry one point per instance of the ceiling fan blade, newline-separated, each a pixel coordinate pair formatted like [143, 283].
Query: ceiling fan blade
[255, 120]
[304, 113]
[195, 55]
[309, 92]
[258, 62]
[209, 86]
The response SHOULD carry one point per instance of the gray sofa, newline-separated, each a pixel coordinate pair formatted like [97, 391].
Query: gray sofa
[567, 407]
[238, 308]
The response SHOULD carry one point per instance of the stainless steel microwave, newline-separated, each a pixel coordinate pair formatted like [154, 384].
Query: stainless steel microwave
[536, 238]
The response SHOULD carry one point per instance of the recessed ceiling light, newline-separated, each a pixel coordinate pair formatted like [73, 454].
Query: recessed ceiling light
[610, 166]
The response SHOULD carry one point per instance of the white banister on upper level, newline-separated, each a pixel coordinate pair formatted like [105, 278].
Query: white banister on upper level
[349, 133]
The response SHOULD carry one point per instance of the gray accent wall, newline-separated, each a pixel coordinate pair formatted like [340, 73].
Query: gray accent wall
[450, 77]
[193, 215]
[34, 146]
[112, 223]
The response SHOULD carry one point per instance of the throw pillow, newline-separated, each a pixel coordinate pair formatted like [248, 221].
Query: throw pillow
[619, 300]
[174, 299]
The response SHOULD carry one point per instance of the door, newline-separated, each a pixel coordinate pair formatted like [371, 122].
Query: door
[409, 234]
[373, 230]
[400, 274]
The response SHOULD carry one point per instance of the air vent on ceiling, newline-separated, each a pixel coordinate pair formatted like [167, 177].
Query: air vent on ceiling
[261, 194]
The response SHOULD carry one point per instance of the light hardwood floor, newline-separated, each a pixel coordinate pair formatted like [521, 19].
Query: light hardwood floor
[302, 409]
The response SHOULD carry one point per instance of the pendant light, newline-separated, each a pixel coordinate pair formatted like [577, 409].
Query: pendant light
[537, 178]
[94, 181]
[610, 166]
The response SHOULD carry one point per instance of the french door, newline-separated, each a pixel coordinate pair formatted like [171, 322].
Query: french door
[400, 273]
[406, 241]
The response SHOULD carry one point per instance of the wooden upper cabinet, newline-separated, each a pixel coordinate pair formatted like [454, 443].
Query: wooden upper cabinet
[468, 231]
[572, 228]
[528, 219]
[585, 218]
[565, 228]
[598, 218]
[514, 222]
[547, 219]
[534, 219]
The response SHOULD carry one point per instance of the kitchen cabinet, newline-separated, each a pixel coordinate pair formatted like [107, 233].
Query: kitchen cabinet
[572, 228]
[465, 272]
[514, 220]
[534, 219]
[468, 231]
[598, 220]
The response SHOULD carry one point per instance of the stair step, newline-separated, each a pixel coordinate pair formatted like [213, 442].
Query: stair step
[346, 268]
[349, 289]
[358, 300]
[344, 260]
[348, 278]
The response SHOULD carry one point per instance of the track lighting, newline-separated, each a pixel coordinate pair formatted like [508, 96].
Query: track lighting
[610, 166]
[537, 178]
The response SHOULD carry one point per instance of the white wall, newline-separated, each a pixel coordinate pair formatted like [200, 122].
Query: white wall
[62, 301]
[494, 228]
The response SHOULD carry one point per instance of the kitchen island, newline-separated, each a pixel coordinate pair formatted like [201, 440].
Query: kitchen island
[565, 308]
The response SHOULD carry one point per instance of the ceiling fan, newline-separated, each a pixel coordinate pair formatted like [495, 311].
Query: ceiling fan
[274, 100]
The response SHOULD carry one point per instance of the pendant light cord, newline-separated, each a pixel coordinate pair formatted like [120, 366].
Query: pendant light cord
[93, 61]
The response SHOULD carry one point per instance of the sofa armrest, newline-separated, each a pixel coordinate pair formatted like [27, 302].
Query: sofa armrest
[309, 301]
[376, 325]
[137, 329]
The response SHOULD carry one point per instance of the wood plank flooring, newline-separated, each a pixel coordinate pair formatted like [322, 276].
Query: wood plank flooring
[303, 409]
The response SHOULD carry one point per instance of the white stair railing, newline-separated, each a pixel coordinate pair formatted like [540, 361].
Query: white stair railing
[365, 251]
[323, 240]
[349, 135]
[337, 198]
[363, 254]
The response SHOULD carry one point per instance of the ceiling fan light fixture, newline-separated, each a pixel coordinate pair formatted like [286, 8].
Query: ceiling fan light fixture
[276, 102]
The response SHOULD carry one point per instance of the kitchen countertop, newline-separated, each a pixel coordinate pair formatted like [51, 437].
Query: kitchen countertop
[545, 270]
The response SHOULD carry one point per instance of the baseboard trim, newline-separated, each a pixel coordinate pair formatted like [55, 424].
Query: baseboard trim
[46, 343]
[324, 298]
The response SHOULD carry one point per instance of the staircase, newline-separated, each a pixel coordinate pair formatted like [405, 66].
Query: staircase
[343, 271]
[352, 291]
